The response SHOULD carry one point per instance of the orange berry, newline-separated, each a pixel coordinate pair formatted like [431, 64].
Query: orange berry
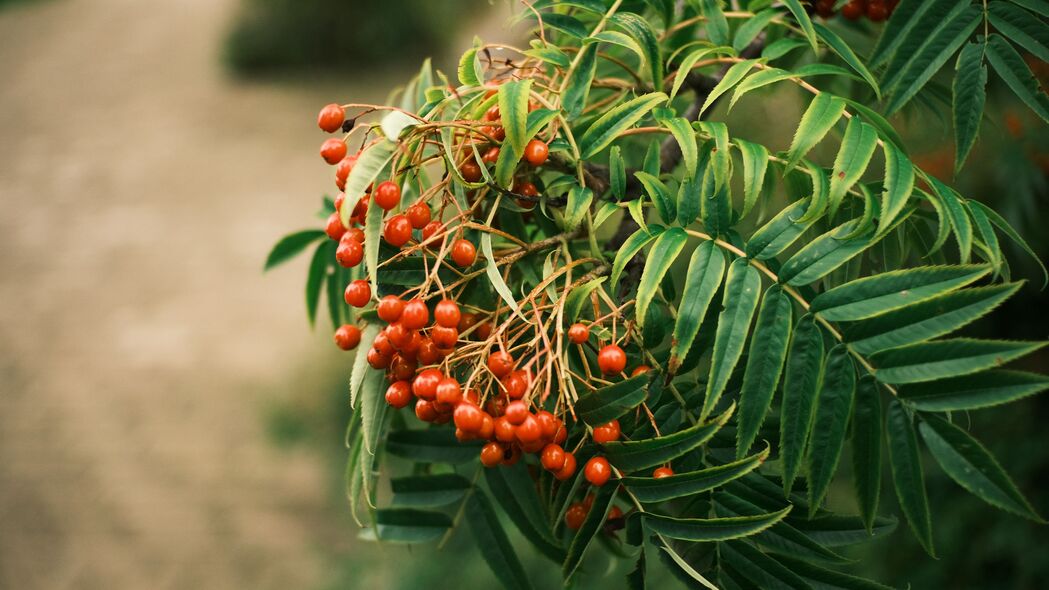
[500, 363]
[333, 150]
[399, 394]
[444, 337]
[529, 430]
[358, 293]
[330, 118]
[553, 457]
[419, 216]
[568, 470]
[447, 314]
[449, 392]
[578, 333]
[575, 516]
[347, 337]
[597, 471]
[463, 252]
[606, 433]
[387, 195]
[516, 412]
[467, 416]
[662, 472]
[390, 308]
[640, 370]
[334, 227]
[397, 231]
[536, 152]
[611, 360]
[492, 454]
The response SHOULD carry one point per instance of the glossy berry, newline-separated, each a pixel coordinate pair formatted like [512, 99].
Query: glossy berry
[350, 252]
[399, 335]
[446, 314]
[342, 172]
[424, 386]
[334, 227]
[470, 171]
[390, 308]
[432, 229]
[492, 454]
[397, 231]
[568, 470]
[640, 370]
[467, 417]
[548, 422]
[449, 392]
[399, 394]
[492, 114]
[403, 368]
[419, 215]
[387, 195]
[464, 253]
[333, 150]
[504, 431]
[611, 360]
[382, 344]
[597, 471]
[500, 363]
[487, 430]
[444, 337]
[496, 405]
[662, 472]
[606, 433]
[575, 515]
[491, 156]
[578, 333]
[553, 457]
[415, 315]
[483, 331]
[378, 360]
[347, 337]
[536, 152]
[529, 430]
[853, 10]
[425, 411]
[355, 234]
[495, 132]
[358, 293]
[516, 412]
[330, 118]
[515, 385]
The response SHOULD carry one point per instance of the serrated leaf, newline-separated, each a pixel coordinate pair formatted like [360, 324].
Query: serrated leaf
[907, 23]
[929, 361]
[833, 408]
[437, 445]
[824, 254]
[734, 75]
[622, 40]
[1039, 6]
[768, 350]
[956, 211]
[1003, 226]
[769, 76]
[685, 567]
[866, 449]
[315, 276]
[855, 153]
[755, 163]
[577, 90]
[660, 195]
[972, 392]
[802, 16]
[407, 525]
[897, 186]
[630, 248]
[636, 455]
[970, 93]
[751, 27]
[972, 466]
[642, 32]
[760, 569]
[649, 490]
[470, 72]
[617, 173]
[426, 491]
[801, 383]
[549, 53]
[711, 529]
[513, 112]
[494, 276]
[821, 115]
[686, 140]
[907, 474]
[742, 289]
[605, 404]
[781, 538]
[660, 257]
[517, 495]
[705, 271]
[840, 47]
[926, 320]
[360, 362]
[690, 60]
[833, 530]
[826, 579]
[569, 25]
[604, 131]
[579, 200]
[877, 294]
[595, 518]
[290, 246]
[373, 408]
[689, 204]
[1020, 27]
[820, 191]
[771, 239]
[372, 234]
[716, 23]
[984, 228]
[370, 163]
[491, 539]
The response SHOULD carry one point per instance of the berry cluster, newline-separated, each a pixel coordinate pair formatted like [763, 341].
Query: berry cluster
[875, 10]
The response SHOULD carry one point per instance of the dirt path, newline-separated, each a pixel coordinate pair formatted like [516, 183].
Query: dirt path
[139, 342]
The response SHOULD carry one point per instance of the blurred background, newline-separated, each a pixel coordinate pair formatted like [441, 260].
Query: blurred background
[167, 419]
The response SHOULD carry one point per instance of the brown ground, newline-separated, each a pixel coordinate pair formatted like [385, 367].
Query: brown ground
[139, 342]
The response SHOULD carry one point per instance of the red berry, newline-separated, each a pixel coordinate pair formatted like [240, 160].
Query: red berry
[526, 188]
[330, 118]
[853, 10]
[549, 423]
[463, 252]
[444, 337]
[575, 516]
[615, 513]
[399, 394]
[607, 432]
[568, 470]
[487, 430]
[500, 363]
[513, 456]
[399, 335]
[334, 227]
[597, 471]
[390, 308]
[428, 353]
[496, 133]
[446, 313]
[561, 435]
[492, 114]
[403, 368]
[382, 344]
[419, 216]
[355, 234]
[378, 360]
[432, 229]
[529, 430]
[496, 405]
[425, 384]
[425, 411]
[347, 337]
[358, 293]
[415, 315]
[398, 231]
[536, 152]
[387, 195]
[516, 412]
[515, 384]
[449, 392]
[578, 333]
[662, 472]
[468, 417]
[470, 171]
[492, 454]
[350, 253]
[491, 156]
[553, 457]
[877, 11]
[640, 370]
[333, 150]
[483, 331]
[611, 360]
[504, 431]
[342, 172]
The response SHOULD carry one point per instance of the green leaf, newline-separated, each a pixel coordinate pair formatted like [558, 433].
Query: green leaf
[742, 289]
[690, 60]
[686, 140]
[427, 491]
[579, 200]
[760, 569]
[773, 75]
[781, 538]
[549, 53]
[771, 239]
[920, 67]
[837, 531]
[826, 579]
[820, 191]
[622, 40]
[989, 238]
[898, 185]
[866, 449]
[513, 110]
[801, 384]
[407, 525]
[569, 25]
[372, 159]
[683, 565]
[972, 466]
[491, 539]
[636, 455]
[315, 276]
[732, 76]
[907, 474]
[689, 201]
[716, 23]
[372, 233]
[972, 392]
[437, 445]
[823, 112]
[578, 297]
[604, 131]
[755, 163]
[631, 246]
[595, 518]
[470, 72]
[649, 490]
[946, 358]
[1021, 27]
[617, 173]
[855, 153]
[874, 295]
[505, 166]
[335, 287]
[662, 254]
[751, 27]
[518, 498]
[660, 195]
[768, 350]
[605, 404]
[494, 276]
[926, 320]
[1003, 226]
[705, 271]
[956, 211]
[711, 529]
[907, 23]
[833, 408]
[290, 246]
[840, 47]
[1039, 6]
[373, 408]
[970, 93]
[360, 363]
[824, 254]
[802, 16]
[578, 88]
[642, 32]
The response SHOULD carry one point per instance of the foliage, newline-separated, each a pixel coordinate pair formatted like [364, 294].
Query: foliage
[840, 286]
